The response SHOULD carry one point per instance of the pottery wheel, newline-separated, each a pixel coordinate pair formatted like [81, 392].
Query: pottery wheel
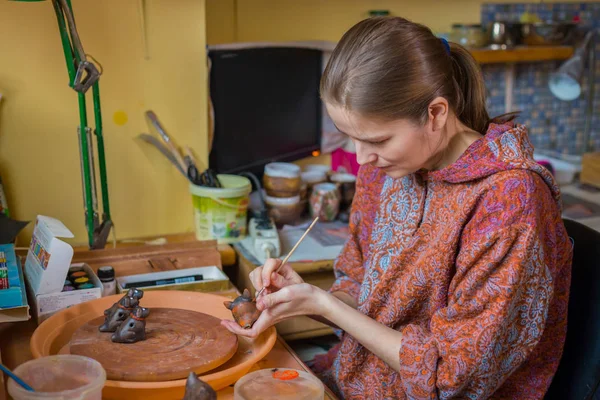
[177, 342]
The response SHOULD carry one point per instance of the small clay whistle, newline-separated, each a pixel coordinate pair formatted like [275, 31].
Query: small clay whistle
[133, 329]
[196, 389]
[120, 310]
[244, 310]
[120, 314]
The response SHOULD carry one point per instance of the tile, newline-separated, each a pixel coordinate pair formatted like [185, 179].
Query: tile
[554, 124]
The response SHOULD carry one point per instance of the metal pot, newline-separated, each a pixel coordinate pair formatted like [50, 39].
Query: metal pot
[548, 33]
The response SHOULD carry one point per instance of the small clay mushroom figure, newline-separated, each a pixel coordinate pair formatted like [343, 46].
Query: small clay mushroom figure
[120, 310]
[196, 389]
[244, 310]
[133, 329]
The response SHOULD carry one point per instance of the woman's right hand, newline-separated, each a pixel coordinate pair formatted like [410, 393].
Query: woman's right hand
[266, 276]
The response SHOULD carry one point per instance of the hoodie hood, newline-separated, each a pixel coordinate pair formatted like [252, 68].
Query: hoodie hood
[504, 147]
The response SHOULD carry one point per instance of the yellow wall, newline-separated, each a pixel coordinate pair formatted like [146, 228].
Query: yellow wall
[280, 20]
[39, 158]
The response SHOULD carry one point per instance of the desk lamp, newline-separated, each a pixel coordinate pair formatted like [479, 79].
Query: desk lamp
[566, 83]
[83, 75]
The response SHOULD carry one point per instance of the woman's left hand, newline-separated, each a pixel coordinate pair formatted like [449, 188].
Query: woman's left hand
[290, 301]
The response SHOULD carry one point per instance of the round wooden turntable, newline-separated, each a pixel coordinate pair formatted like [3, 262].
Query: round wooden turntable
[54, 336]
[177, 342]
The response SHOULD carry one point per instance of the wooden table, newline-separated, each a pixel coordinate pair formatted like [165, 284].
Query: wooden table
[227, 253]
[15, 337]
[14, 350]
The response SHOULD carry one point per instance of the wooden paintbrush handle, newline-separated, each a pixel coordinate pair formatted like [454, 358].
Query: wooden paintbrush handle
[285, 260]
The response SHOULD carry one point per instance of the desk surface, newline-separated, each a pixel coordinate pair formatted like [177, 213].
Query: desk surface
[14, 350]
[227, 253]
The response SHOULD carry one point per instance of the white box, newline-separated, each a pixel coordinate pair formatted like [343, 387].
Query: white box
[48, 258]
[214, 280]
[45, 305]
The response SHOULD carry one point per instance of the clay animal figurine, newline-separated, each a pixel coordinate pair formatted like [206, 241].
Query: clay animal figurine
[133, 293]
[196, 389]
[244, 310]
[120, 310]
[112, 321]
[133, 329]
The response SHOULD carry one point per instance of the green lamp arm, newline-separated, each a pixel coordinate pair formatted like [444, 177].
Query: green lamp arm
[82, 76]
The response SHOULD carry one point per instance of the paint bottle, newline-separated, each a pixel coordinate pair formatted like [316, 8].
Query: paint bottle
[107, 277]
[85, 286]
[81, 281]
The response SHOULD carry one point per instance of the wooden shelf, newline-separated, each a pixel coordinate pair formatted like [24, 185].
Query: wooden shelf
[522, 54]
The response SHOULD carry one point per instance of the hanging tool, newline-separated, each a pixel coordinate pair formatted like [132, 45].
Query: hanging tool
[163, 149]
[156, 126]
[84, 75]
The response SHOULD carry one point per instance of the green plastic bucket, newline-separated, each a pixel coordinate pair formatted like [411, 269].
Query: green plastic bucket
[220, 213]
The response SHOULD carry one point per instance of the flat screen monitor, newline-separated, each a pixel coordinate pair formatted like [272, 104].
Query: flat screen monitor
[266, 106]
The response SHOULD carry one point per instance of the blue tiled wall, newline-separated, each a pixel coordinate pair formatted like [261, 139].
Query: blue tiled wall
[553, 124]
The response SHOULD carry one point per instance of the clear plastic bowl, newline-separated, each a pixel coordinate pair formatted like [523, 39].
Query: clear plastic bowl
[279, 384]
[60, 377]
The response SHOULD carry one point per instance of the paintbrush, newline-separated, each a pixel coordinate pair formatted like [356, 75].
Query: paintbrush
[285, 260]
[16, 378]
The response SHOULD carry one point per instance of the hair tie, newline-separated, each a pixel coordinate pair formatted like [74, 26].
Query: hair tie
[446, 45]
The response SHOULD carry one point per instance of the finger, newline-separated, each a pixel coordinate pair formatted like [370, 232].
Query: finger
[271, 300]
[256, 278]
[233, 327]
[262, 324]
[278, 281]
[268, 269]
[290, 274]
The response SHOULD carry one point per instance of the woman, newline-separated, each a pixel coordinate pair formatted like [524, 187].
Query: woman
[454, 282]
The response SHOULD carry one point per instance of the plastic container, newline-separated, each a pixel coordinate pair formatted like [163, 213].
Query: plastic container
[282, 179]
[564, 172]
[283, 210]
[220, 213]
[60, 377]
[279, 384]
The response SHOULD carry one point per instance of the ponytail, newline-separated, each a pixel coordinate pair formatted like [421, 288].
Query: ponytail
[470, 90]
[391, 68]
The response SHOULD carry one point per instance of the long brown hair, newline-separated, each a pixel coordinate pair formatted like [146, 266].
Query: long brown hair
[391, 68]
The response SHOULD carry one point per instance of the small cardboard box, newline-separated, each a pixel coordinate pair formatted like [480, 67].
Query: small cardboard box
[46, 269]
[48, 258]
[45, 305]
[213, 280]
[13, 301]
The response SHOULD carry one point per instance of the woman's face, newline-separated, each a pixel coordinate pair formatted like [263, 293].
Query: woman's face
[399, 147]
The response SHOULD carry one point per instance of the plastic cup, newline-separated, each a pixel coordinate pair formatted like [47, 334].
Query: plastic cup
[279, 384]
[60, 377]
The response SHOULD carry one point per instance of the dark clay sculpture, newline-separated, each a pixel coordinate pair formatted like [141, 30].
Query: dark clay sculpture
[120, 314]
[244, 310]
[117, 313]
[133, 329]
[196, 389]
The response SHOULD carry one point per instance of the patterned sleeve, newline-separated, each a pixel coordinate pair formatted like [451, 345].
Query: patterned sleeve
[348, 266]
[498, 299]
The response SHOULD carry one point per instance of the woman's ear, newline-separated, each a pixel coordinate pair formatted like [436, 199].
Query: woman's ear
[438, 111]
